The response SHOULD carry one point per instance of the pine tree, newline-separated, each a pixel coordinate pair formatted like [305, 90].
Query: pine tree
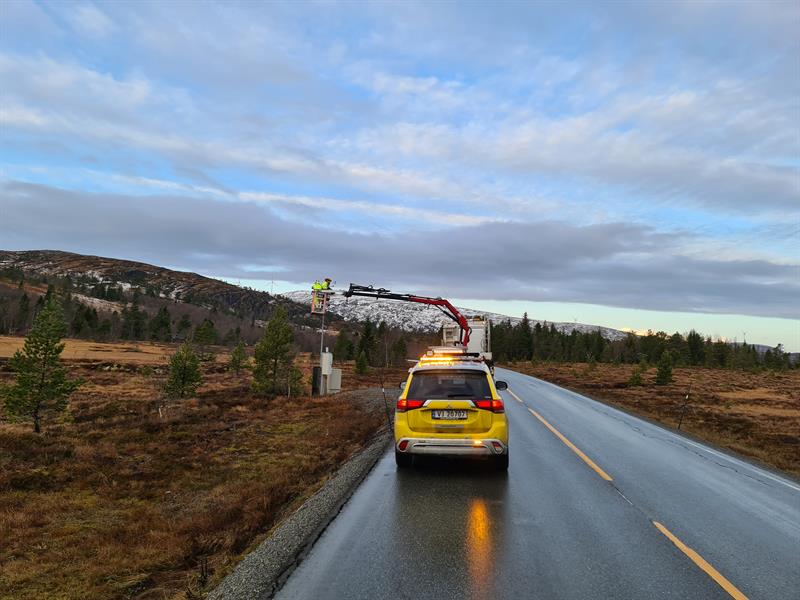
[185, 324]
[160, 326]
[104, 330]
[522, 340]
[23, 312]
[79, 324]
[343, 348]
[238, 360]
[274, 356]
[636, 376]
[362, 365]
[133, 320]
[399, 351]
[366, 343]
[232, 337]
[5, 321]
[664, 373]
[42, 383]
[206, 334]
[695, 348]
[184, 373]
[294, 382]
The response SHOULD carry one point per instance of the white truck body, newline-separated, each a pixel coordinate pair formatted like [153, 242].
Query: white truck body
[480, 337]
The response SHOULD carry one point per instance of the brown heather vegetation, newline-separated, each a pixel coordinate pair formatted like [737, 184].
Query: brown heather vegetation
[119, 501]
[756, 414]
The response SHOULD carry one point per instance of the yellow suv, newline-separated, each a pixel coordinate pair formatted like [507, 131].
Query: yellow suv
[450, 406]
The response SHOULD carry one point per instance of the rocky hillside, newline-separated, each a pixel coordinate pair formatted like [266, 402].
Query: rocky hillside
[88, 273]
[421, 318]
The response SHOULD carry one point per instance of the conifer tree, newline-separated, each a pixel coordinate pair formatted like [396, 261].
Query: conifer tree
[238, 360]
[23, 312]
[366, 343]
[206, 334]
[185, 324]
[362, 365]
[664, 373]
[161, 325]
[42, 383]
[274, 356]
[636, 377]
[133, 320]
[399, 351]
[184, 373]
[343, 348]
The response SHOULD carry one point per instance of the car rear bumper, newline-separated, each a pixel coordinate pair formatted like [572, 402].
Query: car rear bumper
[452, 447]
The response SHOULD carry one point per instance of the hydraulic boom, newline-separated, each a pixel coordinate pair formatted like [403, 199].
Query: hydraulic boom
[443, 305]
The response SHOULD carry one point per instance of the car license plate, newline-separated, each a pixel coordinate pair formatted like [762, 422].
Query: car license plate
[450, 415]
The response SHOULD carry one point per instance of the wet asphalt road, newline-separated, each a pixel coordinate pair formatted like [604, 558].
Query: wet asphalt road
[552, 527]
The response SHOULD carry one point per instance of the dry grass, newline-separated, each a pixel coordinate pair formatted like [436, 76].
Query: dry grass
[754, 414]
[132, 353]
[118, 501]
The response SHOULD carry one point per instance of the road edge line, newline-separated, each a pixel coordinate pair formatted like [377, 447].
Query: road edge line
[718, 578]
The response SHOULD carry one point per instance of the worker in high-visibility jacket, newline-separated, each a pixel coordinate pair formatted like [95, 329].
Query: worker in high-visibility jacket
[317, 285]
[326, 285]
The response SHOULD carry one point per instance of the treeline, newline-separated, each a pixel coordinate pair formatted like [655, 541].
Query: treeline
[546, 343]
[222, 302]
[372, 346]
[17, 315]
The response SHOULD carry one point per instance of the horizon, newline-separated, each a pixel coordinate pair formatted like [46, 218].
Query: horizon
[629, 166]
[554, 312]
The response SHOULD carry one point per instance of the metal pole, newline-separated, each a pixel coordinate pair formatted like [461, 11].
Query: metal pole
[683, 408]
[321, 347]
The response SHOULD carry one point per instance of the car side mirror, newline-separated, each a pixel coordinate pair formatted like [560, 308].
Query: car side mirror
[402, 385]
[500, 385]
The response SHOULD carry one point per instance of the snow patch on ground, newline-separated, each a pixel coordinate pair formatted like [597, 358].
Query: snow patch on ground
[98, 304]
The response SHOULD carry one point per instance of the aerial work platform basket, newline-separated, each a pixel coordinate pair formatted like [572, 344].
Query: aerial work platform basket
[319, 301]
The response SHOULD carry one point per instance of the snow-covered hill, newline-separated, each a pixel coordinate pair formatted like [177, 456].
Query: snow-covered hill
[420, 318]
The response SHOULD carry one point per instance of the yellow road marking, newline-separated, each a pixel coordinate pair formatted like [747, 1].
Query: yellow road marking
[572, 446]
[726, 585]
[569, 444]
[517, 398]
[700, 562]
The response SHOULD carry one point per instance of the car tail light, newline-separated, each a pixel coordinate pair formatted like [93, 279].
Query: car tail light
[495, 406]
[402, 445]
[404, 404]
[498, 447]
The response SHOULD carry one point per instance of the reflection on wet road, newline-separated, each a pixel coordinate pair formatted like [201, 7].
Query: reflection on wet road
[479, 548]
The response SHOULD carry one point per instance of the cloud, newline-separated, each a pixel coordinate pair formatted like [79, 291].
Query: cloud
[88, 20]
[423, 216]
[615, 264]
[553, 150]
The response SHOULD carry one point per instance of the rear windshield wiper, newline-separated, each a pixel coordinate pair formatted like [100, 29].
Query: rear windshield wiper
[460, 395]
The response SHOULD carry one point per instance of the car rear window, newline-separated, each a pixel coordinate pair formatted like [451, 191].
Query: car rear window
[428, 385]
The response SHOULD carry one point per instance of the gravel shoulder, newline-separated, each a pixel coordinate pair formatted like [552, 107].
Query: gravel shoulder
[263, 571]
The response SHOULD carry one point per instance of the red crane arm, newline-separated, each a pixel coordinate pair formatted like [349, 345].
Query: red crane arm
[442, 304]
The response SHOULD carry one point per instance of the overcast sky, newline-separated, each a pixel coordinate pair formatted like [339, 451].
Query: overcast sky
[625, 164]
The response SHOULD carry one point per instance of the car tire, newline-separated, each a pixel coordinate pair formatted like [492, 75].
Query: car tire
[501, 462]
[403, 460]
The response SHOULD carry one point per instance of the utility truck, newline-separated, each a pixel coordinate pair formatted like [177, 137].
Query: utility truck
[471, 335]
[480, 339]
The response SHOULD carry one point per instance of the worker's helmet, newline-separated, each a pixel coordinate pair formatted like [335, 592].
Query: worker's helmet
[328, 279]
